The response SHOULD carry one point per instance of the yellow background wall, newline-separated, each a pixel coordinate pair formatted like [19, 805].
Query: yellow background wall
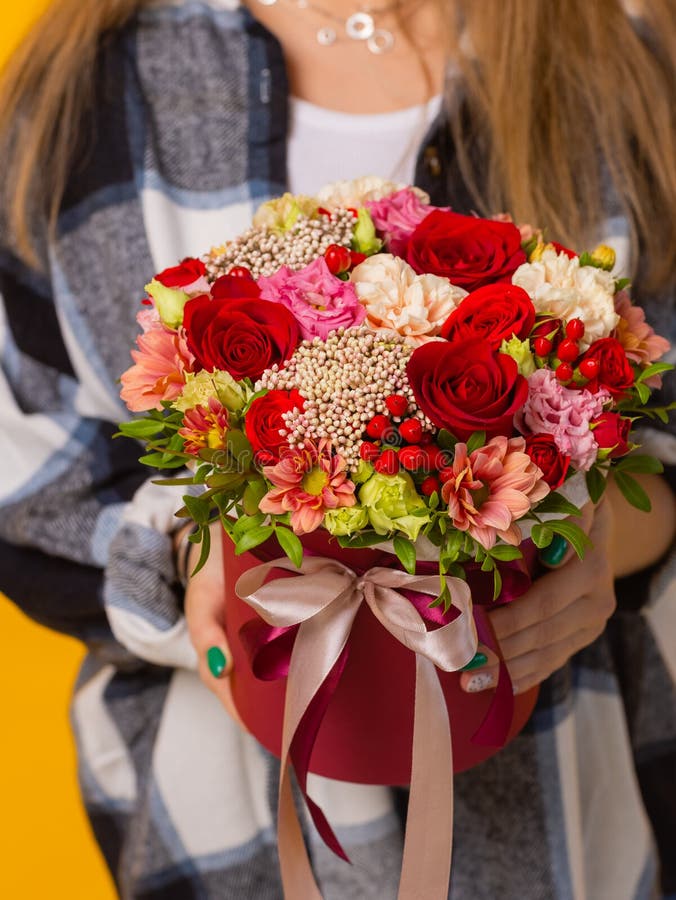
[46, 848]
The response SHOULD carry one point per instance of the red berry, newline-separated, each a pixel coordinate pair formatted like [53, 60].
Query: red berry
[429, 485]
[447, 474]
[387, 463]
[356, 258]
[439, 458]
[324, 212]
[397, 404]
[542, 346]
[548, 328]
[337, 258]
[426, 438]
[575, 329]
[368, 451]
[589, 368]
[568, 350]
[355, 212]
[564, 372]
[412, 457]
[377, 426]
[240, 272]
[411, 430]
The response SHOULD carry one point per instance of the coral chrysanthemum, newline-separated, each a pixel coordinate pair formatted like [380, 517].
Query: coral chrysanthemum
[307, 481]
[205, 427]
[158, 373]
[492, 487]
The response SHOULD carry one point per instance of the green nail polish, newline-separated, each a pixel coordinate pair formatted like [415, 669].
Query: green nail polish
[480, 659]
[216, 661]
[553, 555]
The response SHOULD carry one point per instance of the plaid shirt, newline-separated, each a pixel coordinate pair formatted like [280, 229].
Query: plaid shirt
[188, 136]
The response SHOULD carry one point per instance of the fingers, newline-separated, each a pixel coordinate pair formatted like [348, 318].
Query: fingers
[533, 668]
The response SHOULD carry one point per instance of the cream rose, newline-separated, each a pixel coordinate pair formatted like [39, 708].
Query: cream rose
[397, 299]
[561, 287]
[357, 192]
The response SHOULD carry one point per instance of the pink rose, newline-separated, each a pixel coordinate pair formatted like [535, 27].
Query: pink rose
[396, 217]
[553, 409]
[318, 300]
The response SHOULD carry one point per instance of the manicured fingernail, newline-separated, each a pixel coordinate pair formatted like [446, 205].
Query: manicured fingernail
[216, 661]
[553, 555]
[479, 660]
[479, 683]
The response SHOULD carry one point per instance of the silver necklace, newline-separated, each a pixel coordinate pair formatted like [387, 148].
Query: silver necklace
[359, 26]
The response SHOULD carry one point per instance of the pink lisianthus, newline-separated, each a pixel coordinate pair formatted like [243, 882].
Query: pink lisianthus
[205, 427]
[158, 373]
[638, 338]
[396, 217]
[492, 487]
[318, 300]
[554, 409]
[307, 481]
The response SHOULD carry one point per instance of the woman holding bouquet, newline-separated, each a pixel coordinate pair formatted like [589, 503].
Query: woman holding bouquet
[135, 133]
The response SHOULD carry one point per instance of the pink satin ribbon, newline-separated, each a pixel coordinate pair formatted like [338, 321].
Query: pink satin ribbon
[323, 602]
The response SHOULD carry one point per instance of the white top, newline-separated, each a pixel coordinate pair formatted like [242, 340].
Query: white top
[325, 145]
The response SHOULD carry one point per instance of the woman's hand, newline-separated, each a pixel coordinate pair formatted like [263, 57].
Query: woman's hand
[205, 614]
[564, 611]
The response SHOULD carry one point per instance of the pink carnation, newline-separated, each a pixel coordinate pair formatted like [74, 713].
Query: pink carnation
[396, 217]
[492, 487]
[638, 338]
[554, 409]
[158, 373]
[307, 481]
[318, 300]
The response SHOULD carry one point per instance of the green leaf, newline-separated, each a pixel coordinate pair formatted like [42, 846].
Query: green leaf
[596, 484]
[639, 462]
[246, 523]
[622, 283]
[555, 503]
[434, 500]
[575, 536]
[205, 537]
[633, 492]
[405, 552]
[444, 599]
[253, 494]
[446, 440]
[497, 583]
[364, 238]
[141, 428]
[201, 473]
[240, 449]
[488, 564]
[176, 482]
[253, 538]
[643, 392]
[654, 369]
[153, 459]
[198, 507]
[359, 541]
[227, 480]
[476, 440]
[290, 544]
[541, 536]
[505, 552]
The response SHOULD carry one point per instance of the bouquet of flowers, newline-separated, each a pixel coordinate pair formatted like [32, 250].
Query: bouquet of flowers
[375, 372]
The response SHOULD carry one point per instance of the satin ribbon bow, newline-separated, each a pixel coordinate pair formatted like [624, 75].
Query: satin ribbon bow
[324, 600]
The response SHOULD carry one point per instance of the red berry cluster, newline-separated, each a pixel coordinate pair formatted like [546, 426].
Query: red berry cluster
[551, 336]
[393, 442]
[341, 260]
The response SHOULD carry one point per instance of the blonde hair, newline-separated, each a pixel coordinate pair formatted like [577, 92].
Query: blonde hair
[552, 89]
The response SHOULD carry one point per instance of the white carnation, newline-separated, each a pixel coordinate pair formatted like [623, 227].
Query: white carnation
[560, 287]
[397, 299]
[358, 191]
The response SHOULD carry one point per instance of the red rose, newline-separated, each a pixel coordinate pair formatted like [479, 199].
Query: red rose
[469, 251]
[264, 422]
[611, 432]
[229, 286]
[242, 336]
[571, 254]
[495, 313]
[546, 455]
[182, 275]
[466, 387]
[615, 372]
